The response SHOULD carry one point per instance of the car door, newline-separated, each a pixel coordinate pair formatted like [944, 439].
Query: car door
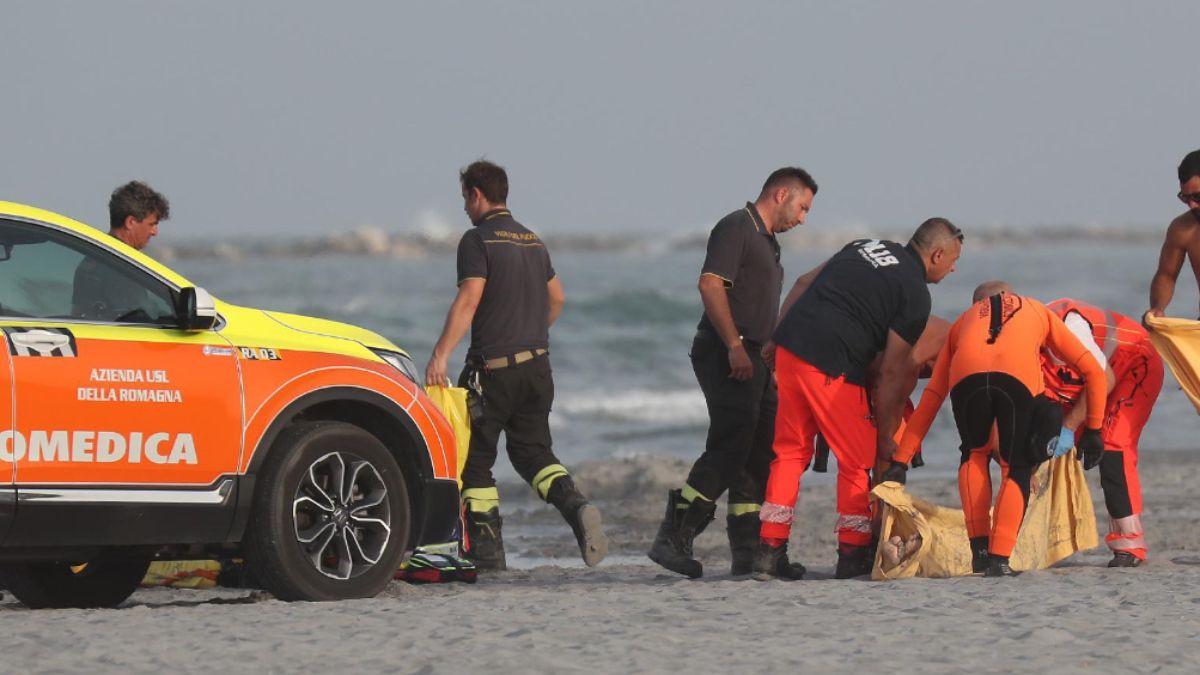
[8, 494]
[126, 429]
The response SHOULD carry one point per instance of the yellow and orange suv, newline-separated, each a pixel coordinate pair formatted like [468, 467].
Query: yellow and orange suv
[141, 419]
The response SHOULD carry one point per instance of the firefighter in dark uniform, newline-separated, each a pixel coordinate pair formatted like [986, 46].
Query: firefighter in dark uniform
[509, 296]
[740, 284]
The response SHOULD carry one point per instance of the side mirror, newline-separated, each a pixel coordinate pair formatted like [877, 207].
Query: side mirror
[196, 310]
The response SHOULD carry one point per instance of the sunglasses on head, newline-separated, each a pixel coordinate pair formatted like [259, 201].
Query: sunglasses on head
[1189, 197]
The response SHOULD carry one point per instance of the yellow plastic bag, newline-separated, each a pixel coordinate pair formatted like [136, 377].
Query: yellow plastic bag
[452, 401]
[1059, 520]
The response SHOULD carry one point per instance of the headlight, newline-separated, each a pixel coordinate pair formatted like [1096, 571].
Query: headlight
[399, 361]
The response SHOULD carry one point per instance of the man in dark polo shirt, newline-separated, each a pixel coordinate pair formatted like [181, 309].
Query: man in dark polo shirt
[509, 296]
[740, 284]
[870, 297]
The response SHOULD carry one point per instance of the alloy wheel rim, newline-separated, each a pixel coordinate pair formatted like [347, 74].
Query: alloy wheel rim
[341, 515]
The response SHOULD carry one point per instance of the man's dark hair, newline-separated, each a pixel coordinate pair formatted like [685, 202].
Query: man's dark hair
[490, 178]
[1190, 166]
[136, 199]
[932, 232]
[789, 174]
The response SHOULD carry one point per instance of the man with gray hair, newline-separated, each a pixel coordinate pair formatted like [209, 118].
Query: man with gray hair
[869, 298]
[134, 212]
[102, 292]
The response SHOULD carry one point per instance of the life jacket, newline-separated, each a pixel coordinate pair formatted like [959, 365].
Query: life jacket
[1110, 330]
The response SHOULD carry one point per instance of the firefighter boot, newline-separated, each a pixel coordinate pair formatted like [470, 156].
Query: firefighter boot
[979, 554]
[852, 561]
[743, 540]
[583, 518]
[487, 546]
[672, 547]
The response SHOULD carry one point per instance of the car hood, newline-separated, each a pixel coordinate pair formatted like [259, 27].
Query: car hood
[345, 331]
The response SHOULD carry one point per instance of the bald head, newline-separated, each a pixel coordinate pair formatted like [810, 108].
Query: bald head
[989, 288]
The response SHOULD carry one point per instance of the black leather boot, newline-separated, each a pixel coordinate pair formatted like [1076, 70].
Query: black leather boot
[979, 554]
[1124, 559]
[743, 540]
[487, 544]
[673, 546]
[583, 518]
[852, 561]
[771, 562]
[998, 567]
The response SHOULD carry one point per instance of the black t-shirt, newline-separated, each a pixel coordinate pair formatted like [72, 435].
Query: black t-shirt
[514, 312]
[745, 255]
[842, 320]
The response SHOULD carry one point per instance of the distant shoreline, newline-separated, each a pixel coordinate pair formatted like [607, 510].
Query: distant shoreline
[378, 243]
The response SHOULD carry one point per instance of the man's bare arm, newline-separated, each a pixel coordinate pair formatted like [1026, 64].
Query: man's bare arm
[458, 321]
[557, 298]
[897, 378]
[1078, 411]
[802, 283]
[716, 306]
[1170, 261]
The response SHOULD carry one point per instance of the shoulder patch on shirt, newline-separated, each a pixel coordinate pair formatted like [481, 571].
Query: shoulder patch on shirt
[877, 253]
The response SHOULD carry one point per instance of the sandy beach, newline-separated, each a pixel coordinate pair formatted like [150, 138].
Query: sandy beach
[630, 616]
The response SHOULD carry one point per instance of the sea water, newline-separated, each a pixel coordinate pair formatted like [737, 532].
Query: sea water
[624, 383]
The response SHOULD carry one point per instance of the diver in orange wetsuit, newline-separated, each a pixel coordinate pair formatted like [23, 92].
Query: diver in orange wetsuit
[1135, 378]
[991, 370]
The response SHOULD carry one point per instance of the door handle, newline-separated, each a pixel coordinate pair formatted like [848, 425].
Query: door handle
[41, 342]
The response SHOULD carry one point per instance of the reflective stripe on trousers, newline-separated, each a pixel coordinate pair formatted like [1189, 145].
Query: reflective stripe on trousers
[1126, 534]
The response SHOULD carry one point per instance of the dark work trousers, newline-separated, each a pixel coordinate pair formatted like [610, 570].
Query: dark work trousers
[741, 424]
[516, 400]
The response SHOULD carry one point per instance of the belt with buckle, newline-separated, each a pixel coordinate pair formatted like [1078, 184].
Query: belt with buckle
[519, 357]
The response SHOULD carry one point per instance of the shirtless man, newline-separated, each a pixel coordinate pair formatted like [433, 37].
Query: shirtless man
[1183, 238]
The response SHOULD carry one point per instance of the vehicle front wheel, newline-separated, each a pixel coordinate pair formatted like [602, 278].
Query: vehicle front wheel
[330, 516]
[98, 583]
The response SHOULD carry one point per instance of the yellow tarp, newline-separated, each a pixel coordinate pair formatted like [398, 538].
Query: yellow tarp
[1178, 342]
[183, 574]
[452, 401]
[1059, 521]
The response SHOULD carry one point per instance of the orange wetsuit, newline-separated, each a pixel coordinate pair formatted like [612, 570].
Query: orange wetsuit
[991, 370]
[1124, 346]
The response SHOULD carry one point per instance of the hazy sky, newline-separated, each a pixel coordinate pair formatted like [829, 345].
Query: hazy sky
[274, 117]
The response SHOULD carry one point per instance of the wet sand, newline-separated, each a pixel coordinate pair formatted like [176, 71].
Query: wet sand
[628, 615]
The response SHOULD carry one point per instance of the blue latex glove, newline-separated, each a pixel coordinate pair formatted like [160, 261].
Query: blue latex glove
[1066, 441]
